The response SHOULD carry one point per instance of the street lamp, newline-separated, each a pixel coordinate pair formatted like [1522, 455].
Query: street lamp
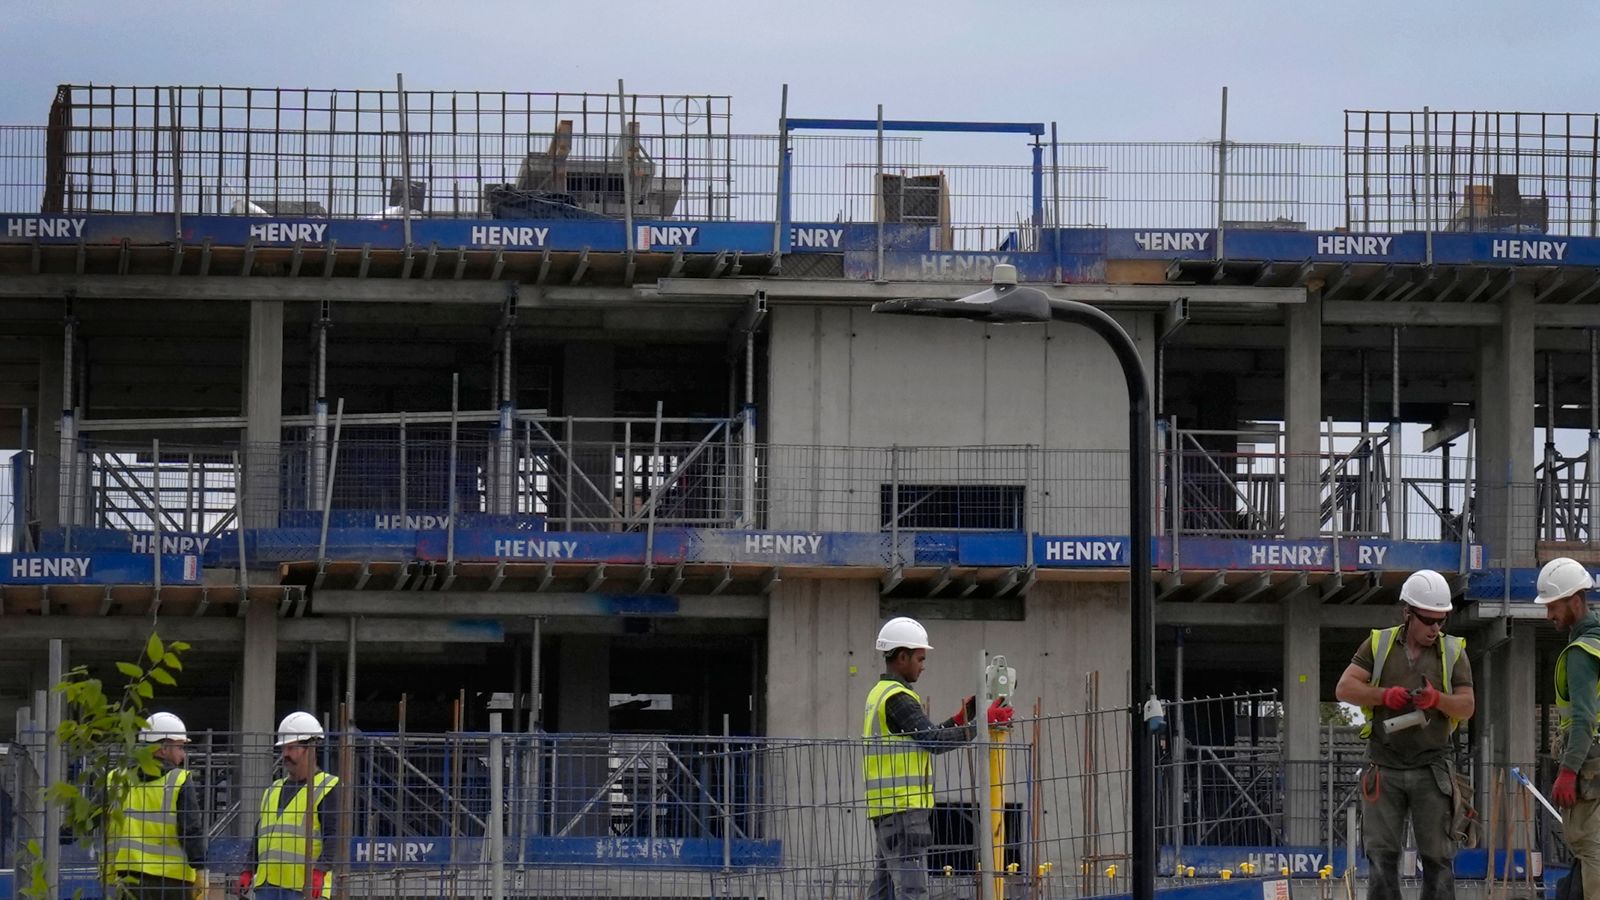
[1005, 301]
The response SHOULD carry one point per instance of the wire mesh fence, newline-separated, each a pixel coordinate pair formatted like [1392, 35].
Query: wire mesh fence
[1449, 170]
[533, 155]
[622, 476]
[1177, 185]
[386, 153]
[612, 814]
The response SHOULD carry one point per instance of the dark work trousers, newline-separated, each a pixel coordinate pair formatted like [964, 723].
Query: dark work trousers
[1388, 797]
[903, 839]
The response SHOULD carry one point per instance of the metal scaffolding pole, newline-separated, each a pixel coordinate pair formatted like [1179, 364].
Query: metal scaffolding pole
[1397, 528]
[1594, 436]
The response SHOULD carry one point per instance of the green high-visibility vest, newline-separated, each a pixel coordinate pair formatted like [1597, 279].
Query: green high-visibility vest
[144, 838]
[1383, 641]
[897, 772]
[281, 846]
[1587, 644]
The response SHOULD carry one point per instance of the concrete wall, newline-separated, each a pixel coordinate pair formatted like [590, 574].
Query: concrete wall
[819, 630]
[842, 377]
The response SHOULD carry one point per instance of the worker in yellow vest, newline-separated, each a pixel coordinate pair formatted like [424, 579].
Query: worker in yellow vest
[898, 768]
[298, 829]
[1563, 590]
[1415, 685]
[155, 843]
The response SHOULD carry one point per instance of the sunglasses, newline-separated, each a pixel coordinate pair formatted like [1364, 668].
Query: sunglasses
[1429, 622]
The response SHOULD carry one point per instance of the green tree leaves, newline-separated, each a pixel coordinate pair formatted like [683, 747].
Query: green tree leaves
[102, 733]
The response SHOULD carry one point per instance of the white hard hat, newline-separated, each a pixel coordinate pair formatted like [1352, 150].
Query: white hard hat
[297, 727]
[1426, 590]
[903, 632]
[163, 726]
[1561, 578]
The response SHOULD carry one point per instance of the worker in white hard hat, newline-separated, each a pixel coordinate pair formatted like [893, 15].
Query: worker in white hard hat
[155, 840]
[1414, 683]
[898, 767]
[298, 828]
[1563, 592]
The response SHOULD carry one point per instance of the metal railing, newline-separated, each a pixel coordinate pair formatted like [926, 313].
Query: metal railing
[404, 154]
[546, 814]
[1448, 170]
[622, 475]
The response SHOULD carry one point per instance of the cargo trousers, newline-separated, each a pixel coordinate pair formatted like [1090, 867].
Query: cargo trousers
[1426, 795]
[901, 869]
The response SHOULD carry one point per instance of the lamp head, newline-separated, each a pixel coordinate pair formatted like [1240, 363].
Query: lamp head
[1004, 301]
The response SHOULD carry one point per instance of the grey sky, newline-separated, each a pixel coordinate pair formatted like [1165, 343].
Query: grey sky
[1112, 70]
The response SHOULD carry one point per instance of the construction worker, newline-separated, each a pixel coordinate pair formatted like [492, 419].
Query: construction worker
[294, 833]
[1414, 683]
[1562, 585]
[898, 768]
[156, 847]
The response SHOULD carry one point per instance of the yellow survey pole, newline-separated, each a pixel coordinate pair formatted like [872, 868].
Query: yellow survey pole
[997, 806]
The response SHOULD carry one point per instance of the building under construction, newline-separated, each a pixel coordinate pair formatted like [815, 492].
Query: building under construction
[567, 414]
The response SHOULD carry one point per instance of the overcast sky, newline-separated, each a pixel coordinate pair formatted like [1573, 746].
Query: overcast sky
[1111, 70]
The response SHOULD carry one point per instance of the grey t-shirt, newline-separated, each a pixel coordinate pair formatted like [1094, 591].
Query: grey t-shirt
[1417, 747]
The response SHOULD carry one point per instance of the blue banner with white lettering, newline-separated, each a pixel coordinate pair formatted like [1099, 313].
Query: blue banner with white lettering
[799, 548]
[1301, 862]
[411, 520]
[911, 251]
[664, 852]
[1009, 549]
[947, 265]
[1309, 862]
[1111, 551]
[553, 546]
[818, 237]
[1314, 555]
[110, 540]
[96, 568]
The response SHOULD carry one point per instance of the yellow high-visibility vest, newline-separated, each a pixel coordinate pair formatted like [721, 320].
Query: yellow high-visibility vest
[281, 846]
[144, 839]
[1383, 641]
[897, 772]
[1587, 644]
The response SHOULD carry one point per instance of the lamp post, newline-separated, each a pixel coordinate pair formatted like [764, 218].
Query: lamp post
[1005, 301]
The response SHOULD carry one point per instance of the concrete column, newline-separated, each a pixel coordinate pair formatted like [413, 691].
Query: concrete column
[1506, 433]
[257, 713]
[1302, 721]
[1302, 404]
[1505, 682]
[1506, 697]
[46, 435]
[588, 389]
[583, 707]
[263, 409]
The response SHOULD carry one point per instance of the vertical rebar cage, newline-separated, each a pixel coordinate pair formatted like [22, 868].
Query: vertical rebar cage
[369, 153]
[1440, 170]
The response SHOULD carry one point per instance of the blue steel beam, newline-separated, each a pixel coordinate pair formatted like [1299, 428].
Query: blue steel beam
[1034, 128]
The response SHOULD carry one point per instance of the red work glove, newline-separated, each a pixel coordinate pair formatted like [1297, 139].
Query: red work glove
[1565, 790]
[245, 878]
[1000, 714]
[1427, 697]
[967, 712]
[1396, 698]
[317, 877]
